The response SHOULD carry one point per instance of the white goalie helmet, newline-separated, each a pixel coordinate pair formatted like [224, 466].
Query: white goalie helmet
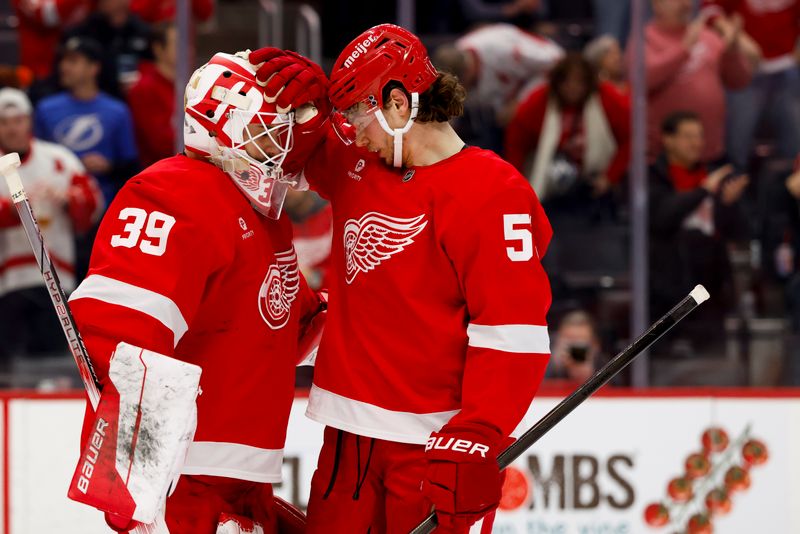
[230, 121]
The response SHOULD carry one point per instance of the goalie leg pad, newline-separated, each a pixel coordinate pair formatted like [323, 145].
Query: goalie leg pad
[144, 421]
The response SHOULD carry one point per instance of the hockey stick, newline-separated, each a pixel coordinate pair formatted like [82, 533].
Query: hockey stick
[8, 168]
[598, 380]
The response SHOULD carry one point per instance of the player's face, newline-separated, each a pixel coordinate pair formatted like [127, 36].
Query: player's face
[687, 144]
[370, 134]
[259, 141]
[15, 133]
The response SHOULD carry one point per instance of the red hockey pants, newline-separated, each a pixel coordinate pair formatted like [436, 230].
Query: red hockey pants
[365, 485]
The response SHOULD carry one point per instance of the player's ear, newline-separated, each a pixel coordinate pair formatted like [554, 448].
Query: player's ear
[398, 100]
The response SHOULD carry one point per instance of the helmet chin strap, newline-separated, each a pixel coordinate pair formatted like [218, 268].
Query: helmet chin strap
[397, 133]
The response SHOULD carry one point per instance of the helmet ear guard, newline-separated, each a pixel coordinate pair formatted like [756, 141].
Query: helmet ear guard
[397, 133]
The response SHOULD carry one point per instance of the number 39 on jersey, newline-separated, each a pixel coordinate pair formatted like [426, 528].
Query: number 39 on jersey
[156, 226]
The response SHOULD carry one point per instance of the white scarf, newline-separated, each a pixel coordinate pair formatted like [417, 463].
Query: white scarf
[599, 149]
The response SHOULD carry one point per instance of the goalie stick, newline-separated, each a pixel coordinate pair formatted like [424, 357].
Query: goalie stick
[8, 168]
[697, 296]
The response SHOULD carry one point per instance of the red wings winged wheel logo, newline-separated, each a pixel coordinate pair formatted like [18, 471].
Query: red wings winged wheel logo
[374, 238]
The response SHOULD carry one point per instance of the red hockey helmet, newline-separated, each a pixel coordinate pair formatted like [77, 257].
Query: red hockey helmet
[379, 55]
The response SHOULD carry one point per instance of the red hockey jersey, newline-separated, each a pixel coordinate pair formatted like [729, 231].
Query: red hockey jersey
[183, 265]
[437, 296]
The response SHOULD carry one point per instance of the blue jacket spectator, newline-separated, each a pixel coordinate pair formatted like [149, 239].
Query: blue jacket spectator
[95, 126]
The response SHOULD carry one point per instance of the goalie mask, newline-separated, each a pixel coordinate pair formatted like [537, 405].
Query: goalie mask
[230, 121]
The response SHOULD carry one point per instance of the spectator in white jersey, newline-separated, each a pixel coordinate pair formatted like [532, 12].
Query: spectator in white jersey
[66, 201]
[499, 64]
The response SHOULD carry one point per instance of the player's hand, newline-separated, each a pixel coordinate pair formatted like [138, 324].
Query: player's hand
[462, 478]
[291, 79]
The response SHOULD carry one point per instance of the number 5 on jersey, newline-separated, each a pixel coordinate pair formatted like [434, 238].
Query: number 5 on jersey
[156, 231]
[517, 229]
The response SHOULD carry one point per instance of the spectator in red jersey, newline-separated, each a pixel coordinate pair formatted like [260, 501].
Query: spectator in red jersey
[775, 26]
[605, 55]
[152, 99]
[66, 201]
[155, 11]
[40, 26]
[694, 214]
[690, 65]
[571, 137]
[312, 222]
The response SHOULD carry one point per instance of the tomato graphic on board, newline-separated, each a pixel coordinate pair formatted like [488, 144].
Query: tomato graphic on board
[680, 489]
[715, 439]
[656, 515]
[737, 479]
[699, 524]
[697, 465]
[516, 489]
[718, 502]
[754, 452]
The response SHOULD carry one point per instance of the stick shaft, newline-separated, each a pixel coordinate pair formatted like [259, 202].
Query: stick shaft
[59, 299]
[598, 380]
[57, 295]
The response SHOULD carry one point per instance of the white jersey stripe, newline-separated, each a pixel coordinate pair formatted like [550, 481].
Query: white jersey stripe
[233, 460]
[112, 291]
[520, 338]
[373, 421]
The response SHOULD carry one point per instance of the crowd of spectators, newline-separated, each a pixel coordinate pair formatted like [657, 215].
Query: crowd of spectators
[549, 88]
[722, 97]
[89, 104]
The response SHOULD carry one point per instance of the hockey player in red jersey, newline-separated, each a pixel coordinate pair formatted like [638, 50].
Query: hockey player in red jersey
[193, 262]
[436, 339]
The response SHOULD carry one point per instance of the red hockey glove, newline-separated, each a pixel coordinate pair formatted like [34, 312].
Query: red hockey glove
[462, 479]
[291, 79]
[311, 328]
[298, 83]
